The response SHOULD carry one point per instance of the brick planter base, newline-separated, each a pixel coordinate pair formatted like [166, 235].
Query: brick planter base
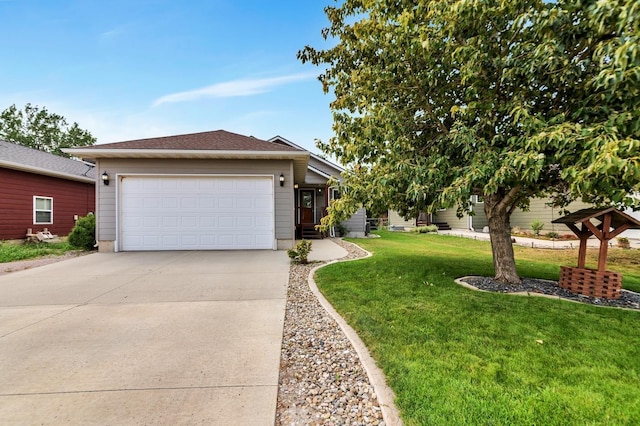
[591, 282]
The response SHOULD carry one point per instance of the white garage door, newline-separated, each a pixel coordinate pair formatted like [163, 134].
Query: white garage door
[196, 213]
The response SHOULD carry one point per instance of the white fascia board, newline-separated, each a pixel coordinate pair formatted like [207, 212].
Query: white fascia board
[45, 172]
[287, 141]
[314, 156]
[320, 172]
[340, 169]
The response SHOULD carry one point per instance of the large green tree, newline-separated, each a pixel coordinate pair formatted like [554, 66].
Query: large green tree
[436, 101]
[37, 128]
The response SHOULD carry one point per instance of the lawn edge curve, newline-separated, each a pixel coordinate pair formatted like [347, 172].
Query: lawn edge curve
[385, 395]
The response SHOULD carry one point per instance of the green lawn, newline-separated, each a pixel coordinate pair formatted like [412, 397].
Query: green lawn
[12, 252]
[457, 356]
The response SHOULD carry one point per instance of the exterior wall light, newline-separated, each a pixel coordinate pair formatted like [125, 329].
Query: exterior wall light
[281, 179]
[105, 178]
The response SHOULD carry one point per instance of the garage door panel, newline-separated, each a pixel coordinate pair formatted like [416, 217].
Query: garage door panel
[207, 202]
[246, 222]
[151, 222]
[263, 239]
[245, 203]
[191, 213]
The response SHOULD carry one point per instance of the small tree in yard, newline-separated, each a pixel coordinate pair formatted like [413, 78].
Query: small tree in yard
[436, 101]
[83, 235]
[300, 252]
[536, 226]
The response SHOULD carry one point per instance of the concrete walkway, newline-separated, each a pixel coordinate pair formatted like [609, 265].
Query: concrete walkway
[325, 250]
[144, 338]
[532, 242]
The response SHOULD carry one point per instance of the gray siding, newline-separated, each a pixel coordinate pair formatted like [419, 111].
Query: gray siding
[324, 167]
[540, 210]
[356, 224]
[449, 216]
[313, 178]
[479, 219]
[397, 220]
[106, 216]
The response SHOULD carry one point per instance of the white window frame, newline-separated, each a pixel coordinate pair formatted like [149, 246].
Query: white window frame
[335, 194]
[477, 199]
[36, 210]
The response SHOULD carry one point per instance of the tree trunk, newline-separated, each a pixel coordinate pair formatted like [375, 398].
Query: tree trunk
[504, 261]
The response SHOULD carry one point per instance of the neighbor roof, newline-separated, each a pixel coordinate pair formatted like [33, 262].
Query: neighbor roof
[18, 157]
[218, 144]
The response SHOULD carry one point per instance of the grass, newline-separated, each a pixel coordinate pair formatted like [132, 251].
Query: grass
[13, 252]
[457, 356]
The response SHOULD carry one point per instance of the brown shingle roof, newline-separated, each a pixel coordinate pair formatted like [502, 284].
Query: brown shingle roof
[218, 140]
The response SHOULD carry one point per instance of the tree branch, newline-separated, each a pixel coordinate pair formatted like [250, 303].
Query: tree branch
[502, 205]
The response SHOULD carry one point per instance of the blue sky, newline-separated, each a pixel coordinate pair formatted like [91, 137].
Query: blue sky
[130, 69]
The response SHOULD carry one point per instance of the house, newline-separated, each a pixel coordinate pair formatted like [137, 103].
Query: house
[539, 209]
[40, 190]
[207, 191]
[313, 196]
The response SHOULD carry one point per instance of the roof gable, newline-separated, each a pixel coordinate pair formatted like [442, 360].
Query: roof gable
[18, 157]
[325, 166]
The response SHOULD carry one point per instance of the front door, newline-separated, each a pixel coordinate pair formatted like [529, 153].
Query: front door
[307, 204]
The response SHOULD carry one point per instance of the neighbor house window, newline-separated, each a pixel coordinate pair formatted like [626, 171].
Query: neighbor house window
[42, 210]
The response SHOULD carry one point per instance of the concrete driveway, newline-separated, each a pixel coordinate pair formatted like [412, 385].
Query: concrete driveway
[144, 338]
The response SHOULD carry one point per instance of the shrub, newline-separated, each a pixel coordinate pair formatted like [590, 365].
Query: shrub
[553, 235]
[83, 235]
[623, 242]
[425, 229]
[300, 252]
[537, 226]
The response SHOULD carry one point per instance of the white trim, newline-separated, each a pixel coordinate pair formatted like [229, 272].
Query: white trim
[332, 192]
[36, 197]
[314, 156]
[318, 171]
[119, 177]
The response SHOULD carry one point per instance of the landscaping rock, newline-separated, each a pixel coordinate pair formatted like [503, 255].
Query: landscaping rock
[322, 380]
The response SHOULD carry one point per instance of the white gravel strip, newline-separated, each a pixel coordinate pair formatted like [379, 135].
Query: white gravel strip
[322, 379]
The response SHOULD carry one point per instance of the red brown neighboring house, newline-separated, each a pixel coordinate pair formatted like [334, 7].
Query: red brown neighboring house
[40, 190]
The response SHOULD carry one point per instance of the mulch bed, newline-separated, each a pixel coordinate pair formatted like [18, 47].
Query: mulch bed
[628, 299]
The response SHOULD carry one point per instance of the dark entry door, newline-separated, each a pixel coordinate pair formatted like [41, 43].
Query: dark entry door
[307, 204]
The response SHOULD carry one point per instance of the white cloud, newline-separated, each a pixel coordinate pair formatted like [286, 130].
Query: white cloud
[233, 88]
[111, 34]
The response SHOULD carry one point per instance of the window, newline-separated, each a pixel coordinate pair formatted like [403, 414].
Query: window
[478, 199]
[42, 210]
